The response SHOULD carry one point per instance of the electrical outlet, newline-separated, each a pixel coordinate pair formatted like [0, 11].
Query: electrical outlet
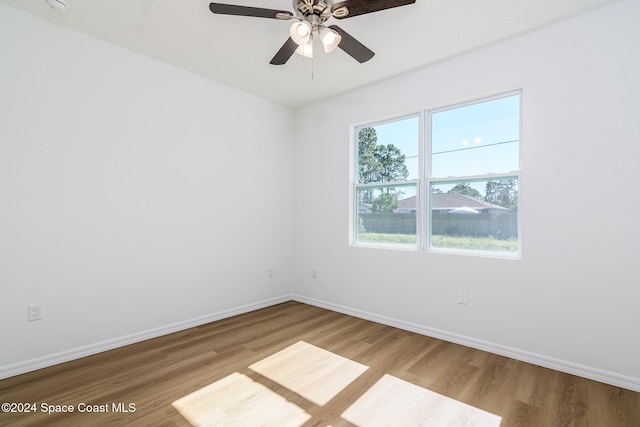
[34, 312]
[314, 273]
[272, 273]
[462, 297]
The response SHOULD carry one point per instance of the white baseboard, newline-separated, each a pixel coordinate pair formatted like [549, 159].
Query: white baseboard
[591, 373]
[596, 374]
[76, 353]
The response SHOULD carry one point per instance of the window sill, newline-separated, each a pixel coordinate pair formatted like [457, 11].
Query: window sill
[444, 251]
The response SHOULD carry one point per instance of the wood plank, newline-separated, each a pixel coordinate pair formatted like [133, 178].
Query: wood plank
[312, 372]
[186, 367]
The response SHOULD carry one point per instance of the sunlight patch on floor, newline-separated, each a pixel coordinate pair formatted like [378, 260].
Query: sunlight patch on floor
[316, 374]
[395, 402]
[237, 400]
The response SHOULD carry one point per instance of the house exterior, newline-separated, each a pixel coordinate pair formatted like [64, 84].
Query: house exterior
[445, 202]
[365, 208]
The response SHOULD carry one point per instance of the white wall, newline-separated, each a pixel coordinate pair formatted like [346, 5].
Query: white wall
[135, 198]
[571, 302]
[116, 211]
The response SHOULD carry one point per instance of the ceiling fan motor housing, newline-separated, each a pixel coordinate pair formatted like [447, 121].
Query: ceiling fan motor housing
[315, 12]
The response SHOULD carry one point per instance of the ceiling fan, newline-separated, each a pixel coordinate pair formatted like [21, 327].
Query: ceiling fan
[310, 16]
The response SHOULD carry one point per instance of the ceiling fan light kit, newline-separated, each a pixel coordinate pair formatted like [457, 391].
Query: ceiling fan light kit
[330, 39]
[300, 32]
[305, 49]
[311, 16]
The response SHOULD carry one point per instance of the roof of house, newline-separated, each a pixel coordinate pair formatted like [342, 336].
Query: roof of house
[449, 201]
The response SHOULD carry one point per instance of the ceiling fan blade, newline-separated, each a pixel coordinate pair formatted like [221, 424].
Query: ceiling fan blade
[285, 52]
[232, 9]
[360, 7]
[353, 47]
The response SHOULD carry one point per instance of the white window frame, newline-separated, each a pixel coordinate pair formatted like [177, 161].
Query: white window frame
[355, 185]
[425, 180]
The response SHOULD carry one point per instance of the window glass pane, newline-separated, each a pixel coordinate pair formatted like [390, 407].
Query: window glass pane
[387, 215]
[476, 139]
[476, 215]
[388, 152]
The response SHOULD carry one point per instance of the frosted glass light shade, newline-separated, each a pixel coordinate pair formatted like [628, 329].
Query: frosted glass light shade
[330, 39]
[306, 49]
[300, 32]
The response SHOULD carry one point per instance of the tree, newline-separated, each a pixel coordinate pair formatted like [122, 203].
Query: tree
[367, 162]
[466, 189]
[378, 162]
[385, 203]
[369, 168]
[391, 160]
[502, 193]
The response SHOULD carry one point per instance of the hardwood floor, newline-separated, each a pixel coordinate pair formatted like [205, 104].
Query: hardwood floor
[232, 370]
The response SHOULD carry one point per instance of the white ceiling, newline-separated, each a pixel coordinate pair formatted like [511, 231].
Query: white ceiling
[236, 50]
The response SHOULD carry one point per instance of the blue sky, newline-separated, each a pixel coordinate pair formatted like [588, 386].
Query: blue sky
[476, 139]
[404, 134]
[471, 140]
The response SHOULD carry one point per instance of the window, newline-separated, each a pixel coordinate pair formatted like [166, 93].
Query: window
[388, 175]
[456, 188]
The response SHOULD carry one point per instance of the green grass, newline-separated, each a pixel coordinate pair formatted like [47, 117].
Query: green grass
[389, 239]
[445, 242]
